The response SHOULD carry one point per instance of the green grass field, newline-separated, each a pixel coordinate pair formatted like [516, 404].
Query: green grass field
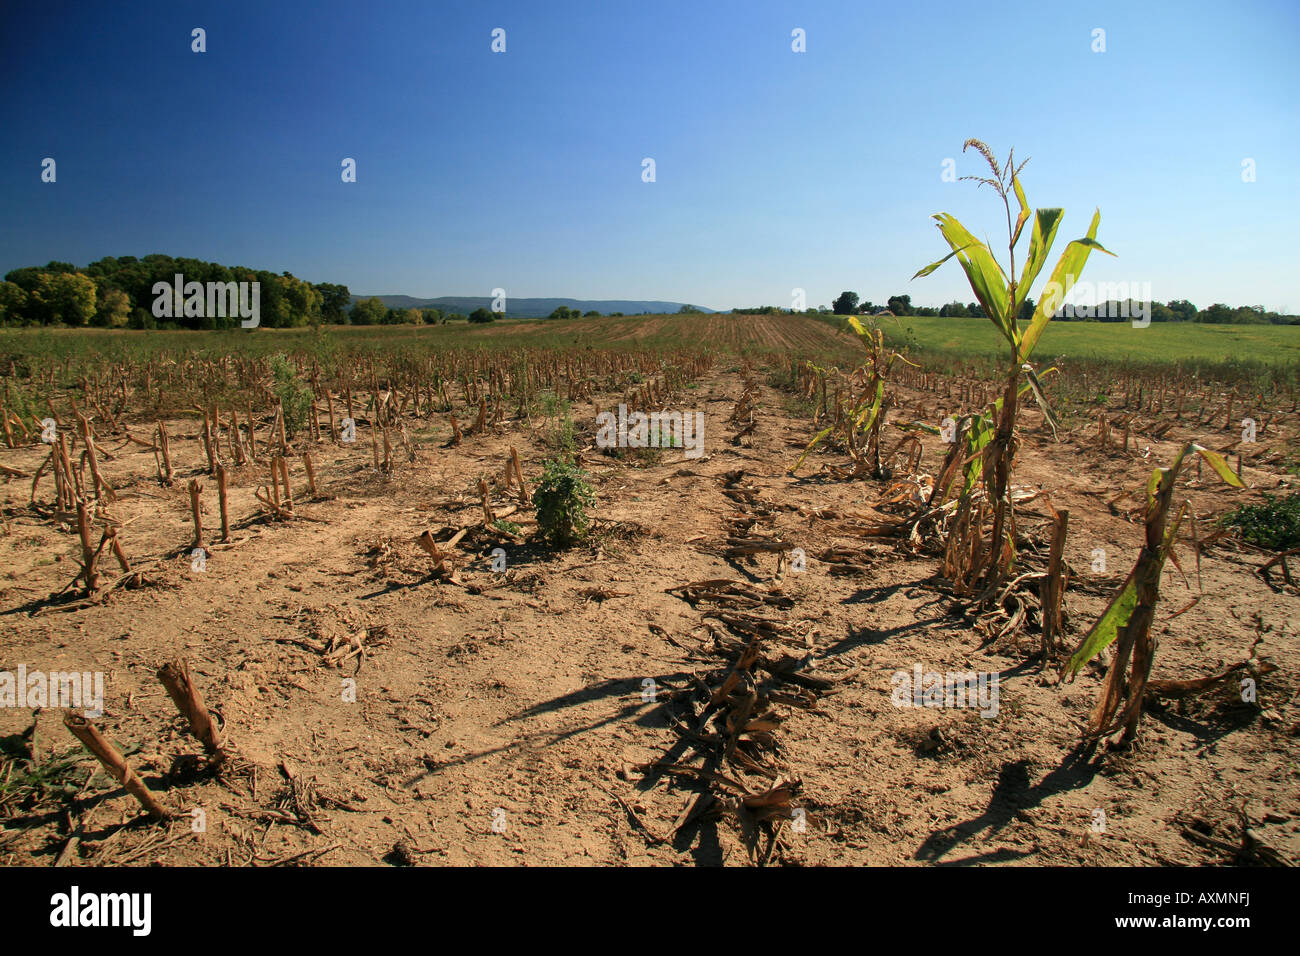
[1243, 351]
[1117, 341]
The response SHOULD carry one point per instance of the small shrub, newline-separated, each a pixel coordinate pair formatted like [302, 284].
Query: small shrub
[294, 394]
[16, 401]
[562, 499]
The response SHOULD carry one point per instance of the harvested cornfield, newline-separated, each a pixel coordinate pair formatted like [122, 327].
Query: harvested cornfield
[492, 599]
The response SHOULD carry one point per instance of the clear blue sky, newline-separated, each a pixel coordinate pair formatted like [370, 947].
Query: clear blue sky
[775, 169]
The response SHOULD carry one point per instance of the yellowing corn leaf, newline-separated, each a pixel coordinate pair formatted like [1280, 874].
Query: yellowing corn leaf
[1219, 465]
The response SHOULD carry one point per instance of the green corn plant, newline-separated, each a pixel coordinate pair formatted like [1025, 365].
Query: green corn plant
[1001, 294]
[1126, 622]
[865, 412]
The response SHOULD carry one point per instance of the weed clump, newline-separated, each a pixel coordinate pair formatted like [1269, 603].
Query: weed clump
[1274, 525]
[562, 500]
[294, 394]
[509, 527]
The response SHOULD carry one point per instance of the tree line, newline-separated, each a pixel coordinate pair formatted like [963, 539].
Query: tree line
[1113, 310]
[372, 311]
[118, 292]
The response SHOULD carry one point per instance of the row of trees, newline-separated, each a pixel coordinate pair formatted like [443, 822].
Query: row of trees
[119, 292]
[564, 312]
[846, 303]
[1176, 310]
[372, 311]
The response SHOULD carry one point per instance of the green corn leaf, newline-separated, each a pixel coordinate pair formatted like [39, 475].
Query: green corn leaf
[817, 440]
[1071, 263]
[868, 415]
[977, 437]
[1024, 210]
[983, 273]
[919, 427]
[934, 265]
[1046, 222]
[1094, 244]
[1121, 607]
[1153, 484]
[1103, 633]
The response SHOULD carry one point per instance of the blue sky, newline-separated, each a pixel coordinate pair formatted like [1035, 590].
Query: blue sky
[775, 170]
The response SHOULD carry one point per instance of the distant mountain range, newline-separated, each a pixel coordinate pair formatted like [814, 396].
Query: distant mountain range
[527, 308]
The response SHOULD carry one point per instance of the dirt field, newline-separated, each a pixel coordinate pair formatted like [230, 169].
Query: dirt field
[504, 719]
